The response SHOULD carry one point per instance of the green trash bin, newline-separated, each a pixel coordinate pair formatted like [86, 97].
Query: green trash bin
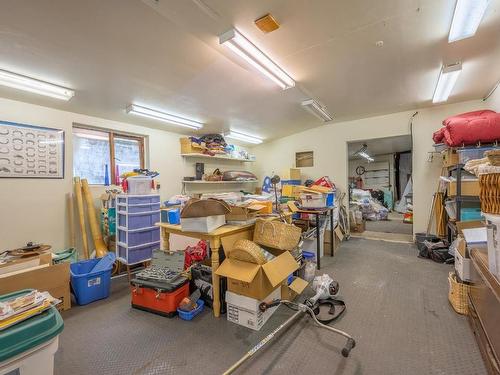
[28, 348]
[69, 255]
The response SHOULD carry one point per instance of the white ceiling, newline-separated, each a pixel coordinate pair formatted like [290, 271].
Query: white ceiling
[381, 146]
[165, 54]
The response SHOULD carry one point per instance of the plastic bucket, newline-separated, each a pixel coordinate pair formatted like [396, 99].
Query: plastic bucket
[89, 286]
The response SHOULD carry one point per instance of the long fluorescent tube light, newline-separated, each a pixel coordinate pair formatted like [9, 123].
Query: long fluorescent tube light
[162, 116]
[317, 110]
[243, 137]
[447, 79]
[20, 82]
[240, 45]
[366, 156]
[466, 19]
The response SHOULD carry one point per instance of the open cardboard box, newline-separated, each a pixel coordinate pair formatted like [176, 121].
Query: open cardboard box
[244, 213]
[256, 280]
[37, 273]
[292, 291]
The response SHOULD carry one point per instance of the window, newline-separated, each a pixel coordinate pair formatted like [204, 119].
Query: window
[99, 153]
[304, 159]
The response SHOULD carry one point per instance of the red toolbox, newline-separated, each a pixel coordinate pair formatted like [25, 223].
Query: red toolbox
[159, 297]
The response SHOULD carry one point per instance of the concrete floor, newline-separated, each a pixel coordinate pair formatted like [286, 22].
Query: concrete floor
[394, 224]
[397, 310]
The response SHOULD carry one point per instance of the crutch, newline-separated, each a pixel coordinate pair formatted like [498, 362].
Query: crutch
[301, 309]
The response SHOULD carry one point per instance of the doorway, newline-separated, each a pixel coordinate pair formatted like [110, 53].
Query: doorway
[380, 188]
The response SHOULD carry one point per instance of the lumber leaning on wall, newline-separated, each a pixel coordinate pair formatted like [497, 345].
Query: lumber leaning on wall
[100, 247]
[81, 216]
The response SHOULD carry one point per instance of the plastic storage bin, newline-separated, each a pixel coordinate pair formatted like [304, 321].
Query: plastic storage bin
[89, 286]
[466, 213]
[138, 208]
[138, 237]
[139, 185]
[311, 200]
[138, 220]
[135, 254]
[159, 297]
[28, 348]
[189, 315]
[466, 154]
[130, 199]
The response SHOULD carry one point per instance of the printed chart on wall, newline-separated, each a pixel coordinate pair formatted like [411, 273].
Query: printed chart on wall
[28, 151]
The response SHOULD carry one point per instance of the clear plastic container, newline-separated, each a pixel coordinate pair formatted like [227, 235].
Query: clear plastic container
[310, 266]
[139, 185]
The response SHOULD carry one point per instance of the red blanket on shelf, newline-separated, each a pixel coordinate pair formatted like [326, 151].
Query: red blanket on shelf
[469, 128]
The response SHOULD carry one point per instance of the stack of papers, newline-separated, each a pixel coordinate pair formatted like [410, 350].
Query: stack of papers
[18, 309]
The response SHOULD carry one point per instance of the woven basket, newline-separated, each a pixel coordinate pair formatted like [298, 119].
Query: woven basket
[489, 193]
[276, 234]
[247, 251]
[458, 294]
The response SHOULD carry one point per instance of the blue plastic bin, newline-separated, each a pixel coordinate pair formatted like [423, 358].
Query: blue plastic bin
[189, 315]
[138, 221]
[174, 216]
[138, 237]
[290, 182]
[138, 199]
[89, 286]
[330, 199]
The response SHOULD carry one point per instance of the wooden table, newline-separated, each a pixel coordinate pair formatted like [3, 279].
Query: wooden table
[317, 213]
[215, 239]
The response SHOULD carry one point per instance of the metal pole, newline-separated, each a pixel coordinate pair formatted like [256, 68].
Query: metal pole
[263, 342]
[318, 242]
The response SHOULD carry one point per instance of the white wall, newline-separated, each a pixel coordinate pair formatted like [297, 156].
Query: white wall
[35, 210]
[329, 143]
[493, 101]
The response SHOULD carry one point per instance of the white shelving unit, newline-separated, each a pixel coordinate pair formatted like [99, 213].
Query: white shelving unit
[216, 157]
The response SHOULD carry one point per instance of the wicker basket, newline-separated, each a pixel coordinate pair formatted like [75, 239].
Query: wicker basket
[489, 193]
[493, 157]
[276, 234]
[458, 294]
[247, 251]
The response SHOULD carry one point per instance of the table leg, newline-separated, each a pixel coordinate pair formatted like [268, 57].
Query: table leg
[165, 240]
[318, 242]
[214, 248]
[331, 232]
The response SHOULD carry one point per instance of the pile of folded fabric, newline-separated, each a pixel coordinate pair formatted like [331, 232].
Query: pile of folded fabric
[214, 143]
[469, 128]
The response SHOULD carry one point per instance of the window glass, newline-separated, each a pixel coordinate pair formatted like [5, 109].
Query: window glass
[127, 154]
[90, 154]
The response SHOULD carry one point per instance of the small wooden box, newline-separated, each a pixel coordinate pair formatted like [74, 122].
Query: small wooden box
[450, 157]
[187, 147]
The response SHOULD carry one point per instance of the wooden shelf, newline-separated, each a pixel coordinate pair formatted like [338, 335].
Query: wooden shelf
[219, 182]
[216, 157]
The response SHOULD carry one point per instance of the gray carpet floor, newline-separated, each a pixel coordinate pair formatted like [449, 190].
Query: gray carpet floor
[397, 310]
[393, 225]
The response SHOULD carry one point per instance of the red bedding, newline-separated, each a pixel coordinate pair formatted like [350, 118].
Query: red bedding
[469, 128]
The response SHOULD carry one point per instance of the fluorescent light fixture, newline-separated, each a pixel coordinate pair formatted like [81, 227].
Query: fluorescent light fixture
[162, 116]
[317, 110]
[466, 19]
[447, 79]
[20, 82]
[255, 57]
[366, 156]
[243, 137]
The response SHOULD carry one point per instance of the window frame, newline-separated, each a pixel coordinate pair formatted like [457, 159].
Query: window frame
[111, 140]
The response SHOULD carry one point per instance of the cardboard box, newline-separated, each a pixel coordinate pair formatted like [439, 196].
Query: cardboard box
[358, 228]
[204, 224]
[292, 291]
[469, 187]
[461, 225]
[338, 238]
[187, 147]
[291, 190]
[291, 174]
[256, 280]
[462, 266]
[244, 213]
[450, 157]
[43, 277]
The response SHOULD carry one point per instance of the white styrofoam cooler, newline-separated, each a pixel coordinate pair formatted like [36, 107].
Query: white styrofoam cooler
[245, 311]
[493, 234]
[204, 224]
[462, 266]
[37, 361]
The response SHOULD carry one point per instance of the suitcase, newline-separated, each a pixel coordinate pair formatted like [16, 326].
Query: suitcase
[160, 298]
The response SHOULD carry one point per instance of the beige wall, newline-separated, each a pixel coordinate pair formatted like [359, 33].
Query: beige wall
[35, 210]
[329, 143]
[494, 100]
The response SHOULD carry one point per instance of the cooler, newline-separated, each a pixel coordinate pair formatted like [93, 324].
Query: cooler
[28, 348]
[159, 297]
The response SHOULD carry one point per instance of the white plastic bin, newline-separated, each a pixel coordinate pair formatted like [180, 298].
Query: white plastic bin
[139, 185]
[37, 361]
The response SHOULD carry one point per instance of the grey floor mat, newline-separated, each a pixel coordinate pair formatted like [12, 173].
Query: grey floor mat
[397, 309]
